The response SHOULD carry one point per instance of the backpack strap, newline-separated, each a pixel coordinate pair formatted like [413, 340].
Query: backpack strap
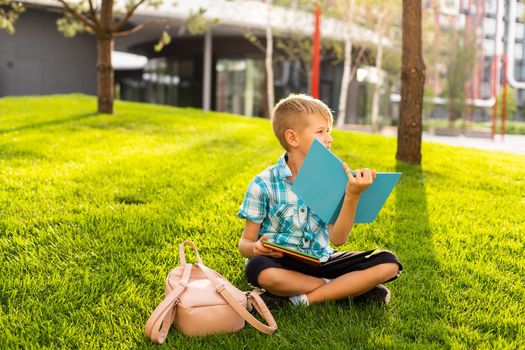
[254, 299]
[181, 252]
[159, 323]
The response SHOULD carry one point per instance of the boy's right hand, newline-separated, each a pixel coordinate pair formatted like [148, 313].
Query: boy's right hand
[358, 181]
[259, 249]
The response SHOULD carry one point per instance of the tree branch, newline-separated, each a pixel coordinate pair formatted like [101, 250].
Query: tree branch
[138, 27]
[44, 8]
[78, 16]
[93, 14]
[125, 19]
[357, 61]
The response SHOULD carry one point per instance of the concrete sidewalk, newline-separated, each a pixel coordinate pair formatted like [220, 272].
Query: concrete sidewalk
[510, 143]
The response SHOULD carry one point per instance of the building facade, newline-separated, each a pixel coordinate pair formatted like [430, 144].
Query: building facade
[220, 70]
[496, 29]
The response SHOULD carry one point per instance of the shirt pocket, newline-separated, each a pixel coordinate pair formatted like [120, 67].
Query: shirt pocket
[282, 218]
[316, 223]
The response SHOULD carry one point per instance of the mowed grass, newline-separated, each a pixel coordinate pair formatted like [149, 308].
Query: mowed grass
[93, 208]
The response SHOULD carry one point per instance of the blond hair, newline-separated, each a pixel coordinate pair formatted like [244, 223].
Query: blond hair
[294, 112]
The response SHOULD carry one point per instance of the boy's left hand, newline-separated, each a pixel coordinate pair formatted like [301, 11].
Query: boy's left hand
[360, 182]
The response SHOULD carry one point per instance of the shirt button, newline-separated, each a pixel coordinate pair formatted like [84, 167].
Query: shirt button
[302, 210]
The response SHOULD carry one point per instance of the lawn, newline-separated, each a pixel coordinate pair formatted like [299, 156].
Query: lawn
[93, 208]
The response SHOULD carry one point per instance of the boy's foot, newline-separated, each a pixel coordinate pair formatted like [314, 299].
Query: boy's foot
[275, 302]
[377, 295]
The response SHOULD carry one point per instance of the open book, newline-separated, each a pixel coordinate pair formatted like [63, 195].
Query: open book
[321, 184]
[306, 258]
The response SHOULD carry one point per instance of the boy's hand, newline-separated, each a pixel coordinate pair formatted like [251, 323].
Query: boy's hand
[259, 249]
[360, 182]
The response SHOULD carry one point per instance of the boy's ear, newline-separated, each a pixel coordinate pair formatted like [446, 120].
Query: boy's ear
[291, 138]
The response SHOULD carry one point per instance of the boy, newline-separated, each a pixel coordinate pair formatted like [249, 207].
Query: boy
[273, 212]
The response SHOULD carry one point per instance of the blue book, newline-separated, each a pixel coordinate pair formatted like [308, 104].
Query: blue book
[321, 184]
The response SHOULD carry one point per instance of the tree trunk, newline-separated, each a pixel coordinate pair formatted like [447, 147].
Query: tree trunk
[412, 86]
[378, 84]
[105, 74]
[345, 82]
[269, 61]
[451, 118]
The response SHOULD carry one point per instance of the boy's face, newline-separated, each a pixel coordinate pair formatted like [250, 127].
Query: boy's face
[317, 128]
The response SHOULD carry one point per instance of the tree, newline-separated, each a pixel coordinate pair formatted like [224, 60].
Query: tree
[104, 19]
[107, 20]
[287, 43]
[462, 56]
[99, 19]
[9, 12]
[352, 13]
[412, 85]
[392, 66]
[348, 10]
[384, 14]
[268, 62]
[293, 47]
[511, 103]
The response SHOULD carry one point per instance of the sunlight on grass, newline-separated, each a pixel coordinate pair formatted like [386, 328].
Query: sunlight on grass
[93, 208]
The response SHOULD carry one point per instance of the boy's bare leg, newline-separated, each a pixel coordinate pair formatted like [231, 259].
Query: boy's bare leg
[353, 283]
[284, 283]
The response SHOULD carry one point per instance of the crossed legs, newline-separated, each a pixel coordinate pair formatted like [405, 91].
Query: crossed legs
[282, 282]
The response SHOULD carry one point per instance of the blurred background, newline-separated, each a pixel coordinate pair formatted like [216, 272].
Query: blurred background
[211, 54]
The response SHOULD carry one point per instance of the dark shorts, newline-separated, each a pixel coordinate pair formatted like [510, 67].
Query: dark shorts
[337, 265]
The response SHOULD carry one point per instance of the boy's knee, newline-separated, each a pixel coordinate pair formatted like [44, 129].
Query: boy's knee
[389, 271]
[267, 278]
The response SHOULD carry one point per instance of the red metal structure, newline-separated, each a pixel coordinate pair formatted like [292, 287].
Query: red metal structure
[495, 68]
[495, 94]
[504, 98]
[316, 47]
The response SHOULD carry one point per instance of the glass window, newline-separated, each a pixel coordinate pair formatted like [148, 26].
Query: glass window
[240, 86]
[518, 51]
[490, 7]
[450, 7]
[489, 26]
[488, 47]
[520, 11]
[519, 31]
[485, 90]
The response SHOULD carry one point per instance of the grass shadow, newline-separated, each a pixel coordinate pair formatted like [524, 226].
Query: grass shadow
[44, 124]
[420, 297]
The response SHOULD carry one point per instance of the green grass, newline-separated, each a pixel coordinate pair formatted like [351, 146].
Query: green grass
[93, 208]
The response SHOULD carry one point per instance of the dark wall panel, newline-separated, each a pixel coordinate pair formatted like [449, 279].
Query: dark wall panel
[38, 59]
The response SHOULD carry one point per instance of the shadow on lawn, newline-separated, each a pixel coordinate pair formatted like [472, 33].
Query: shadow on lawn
[48, 123]
[419, 295]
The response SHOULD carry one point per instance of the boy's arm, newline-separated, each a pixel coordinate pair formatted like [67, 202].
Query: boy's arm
[250, 243]
[342, 227]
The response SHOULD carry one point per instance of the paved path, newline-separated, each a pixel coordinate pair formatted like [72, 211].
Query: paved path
[510, 143]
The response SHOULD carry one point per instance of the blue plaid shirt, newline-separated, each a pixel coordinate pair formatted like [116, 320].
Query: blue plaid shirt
[284, 218]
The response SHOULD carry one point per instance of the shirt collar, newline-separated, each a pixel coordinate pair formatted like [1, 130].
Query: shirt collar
[282, 167]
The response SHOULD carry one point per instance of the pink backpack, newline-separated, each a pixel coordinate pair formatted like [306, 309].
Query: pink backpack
[200, 301]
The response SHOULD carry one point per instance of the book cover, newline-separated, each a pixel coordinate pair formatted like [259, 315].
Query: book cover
[321, 184]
